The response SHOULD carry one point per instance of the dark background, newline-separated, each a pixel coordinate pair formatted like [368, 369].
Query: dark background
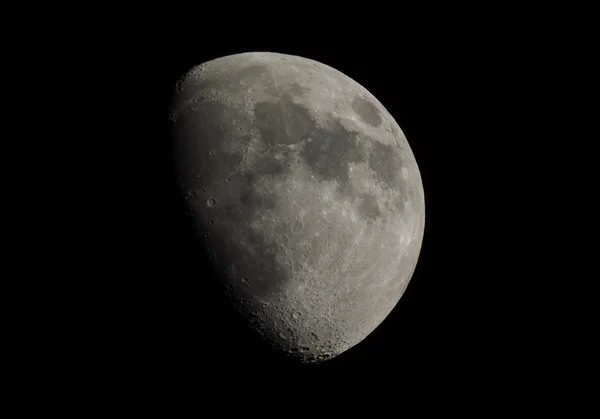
[454, 326]
[117, 304]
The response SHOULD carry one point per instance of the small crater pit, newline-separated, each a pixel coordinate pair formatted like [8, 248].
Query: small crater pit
[296, 226]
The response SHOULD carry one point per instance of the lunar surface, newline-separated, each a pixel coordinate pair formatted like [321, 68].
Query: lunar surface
[305, 194]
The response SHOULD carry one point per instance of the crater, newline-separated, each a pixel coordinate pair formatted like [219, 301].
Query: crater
[366, 111]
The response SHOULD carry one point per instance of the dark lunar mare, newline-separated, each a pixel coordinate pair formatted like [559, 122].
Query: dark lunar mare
[367, 111]
[327, 151]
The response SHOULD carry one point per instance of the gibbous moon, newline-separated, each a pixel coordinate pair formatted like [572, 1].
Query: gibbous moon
[305, 194]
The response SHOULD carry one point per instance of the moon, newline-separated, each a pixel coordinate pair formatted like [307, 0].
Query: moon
[304, 193]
